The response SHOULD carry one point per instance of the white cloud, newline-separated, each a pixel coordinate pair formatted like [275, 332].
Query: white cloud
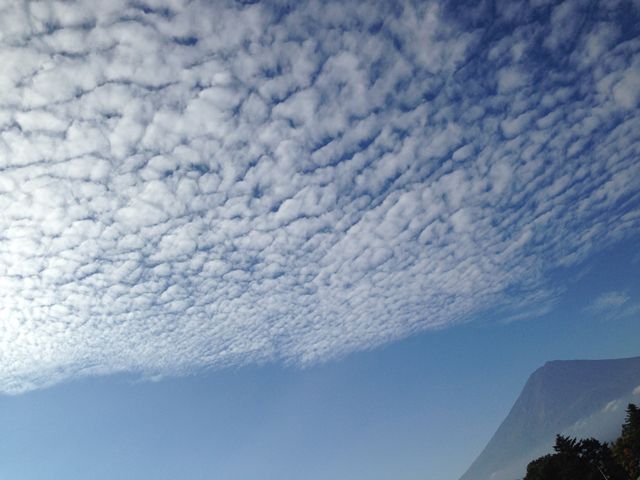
[614, 305]
[611, 299]
[626, 90]
[511, 78]
[198, 184]
[604, 424]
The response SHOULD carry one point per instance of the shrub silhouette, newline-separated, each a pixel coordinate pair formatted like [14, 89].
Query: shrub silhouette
[589, 459]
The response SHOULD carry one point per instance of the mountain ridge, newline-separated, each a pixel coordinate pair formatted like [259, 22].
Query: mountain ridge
[557, 396]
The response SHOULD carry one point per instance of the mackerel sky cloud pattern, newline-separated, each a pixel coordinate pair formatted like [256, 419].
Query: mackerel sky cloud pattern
[189, 185]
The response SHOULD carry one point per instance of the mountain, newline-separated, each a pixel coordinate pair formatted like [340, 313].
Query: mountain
[578, 397]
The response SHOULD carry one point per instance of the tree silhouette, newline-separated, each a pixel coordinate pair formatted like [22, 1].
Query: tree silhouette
[576, 460]
[626, 449]
[590, 459]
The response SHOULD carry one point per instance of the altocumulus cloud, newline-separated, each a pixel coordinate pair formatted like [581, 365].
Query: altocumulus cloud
[189, 185]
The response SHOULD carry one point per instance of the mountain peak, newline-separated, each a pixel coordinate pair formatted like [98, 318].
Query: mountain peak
[558, 397]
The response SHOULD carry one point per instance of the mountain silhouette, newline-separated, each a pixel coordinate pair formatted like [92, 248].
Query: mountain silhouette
[576, 397]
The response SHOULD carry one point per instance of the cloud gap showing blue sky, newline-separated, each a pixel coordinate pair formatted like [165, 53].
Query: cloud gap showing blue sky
[190, 185]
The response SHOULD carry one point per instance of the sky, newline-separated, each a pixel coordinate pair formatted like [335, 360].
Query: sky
[227, 224]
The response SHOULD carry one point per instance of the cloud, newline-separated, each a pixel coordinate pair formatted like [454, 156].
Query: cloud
[191, 185]
[610, 299]
[614, 305]
[604, 424]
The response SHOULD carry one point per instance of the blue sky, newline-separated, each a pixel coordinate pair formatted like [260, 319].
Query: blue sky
[270, 199]
[415, 409]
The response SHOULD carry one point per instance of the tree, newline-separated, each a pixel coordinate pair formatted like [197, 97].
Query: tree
[591, 460]
[626, 449]
[576, 460]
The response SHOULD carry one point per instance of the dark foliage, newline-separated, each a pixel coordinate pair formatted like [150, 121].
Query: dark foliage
[590, 459]
[626, 449]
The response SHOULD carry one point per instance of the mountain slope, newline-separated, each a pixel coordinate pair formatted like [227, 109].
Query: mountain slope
[562, 396]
